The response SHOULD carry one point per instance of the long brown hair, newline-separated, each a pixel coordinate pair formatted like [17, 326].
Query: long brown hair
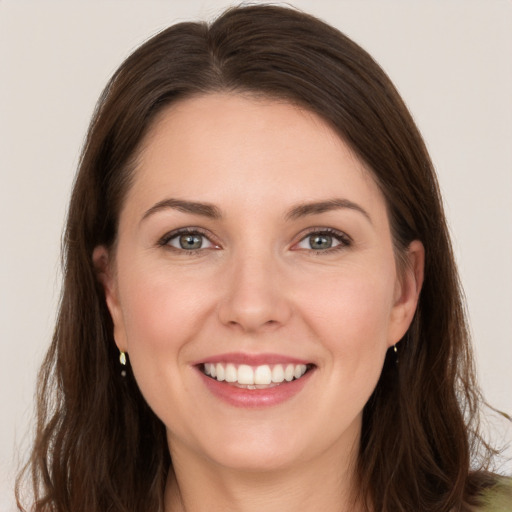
[98, 445]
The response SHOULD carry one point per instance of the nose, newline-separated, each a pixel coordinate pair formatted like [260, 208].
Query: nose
[255, 295]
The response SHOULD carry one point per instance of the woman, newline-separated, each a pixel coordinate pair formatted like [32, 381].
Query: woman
[260, 306]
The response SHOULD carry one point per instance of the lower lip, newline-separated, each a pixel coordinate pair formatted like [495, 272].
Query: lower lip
[252, 398]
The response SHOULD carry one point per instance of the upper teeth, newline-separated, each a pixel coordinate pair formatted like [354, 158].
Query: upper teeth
[250, 375]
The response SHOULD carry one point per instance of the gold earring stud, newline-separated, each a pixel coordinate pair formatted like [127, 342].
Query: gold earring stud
[122, 360]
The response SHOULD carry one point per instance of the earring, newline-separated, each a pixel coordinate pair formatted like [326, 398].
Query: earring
[122, 360]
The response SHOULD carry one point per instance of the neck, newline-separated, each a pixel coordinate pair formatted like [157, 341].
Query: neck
[196, 485]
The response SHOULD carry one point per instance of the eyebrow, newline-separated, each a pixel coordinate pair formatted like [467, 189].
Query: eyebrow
[203, 209]
[213, 212]
[316, 208]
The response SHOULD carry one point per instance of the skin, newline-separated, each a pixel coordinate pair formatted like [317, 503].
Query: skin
[256, 287]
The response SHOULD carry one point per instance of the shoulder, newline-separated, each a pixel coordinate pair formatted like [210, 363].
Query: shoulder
[497, 498]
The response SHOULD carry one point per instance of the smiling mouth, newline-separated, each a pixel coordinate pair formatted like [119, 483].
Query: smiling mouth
[255, 377]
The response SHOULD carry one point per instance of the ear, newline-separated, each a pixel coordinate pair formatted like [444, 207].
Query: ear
[105, 273]
[407, 292]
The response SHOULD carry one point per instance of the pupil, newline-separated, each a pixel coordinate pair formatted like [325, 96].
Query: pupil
[321, 242]
[190, 242]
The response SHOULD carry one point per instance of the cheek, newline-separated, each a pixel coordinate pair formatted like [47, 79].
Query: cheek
[353, 309]
[161, 318]
[351, 317]
[161, 313]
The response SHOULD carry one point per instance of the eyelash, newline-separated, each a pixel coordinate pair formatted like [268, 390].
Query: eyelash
[164, 241]
[343, 239]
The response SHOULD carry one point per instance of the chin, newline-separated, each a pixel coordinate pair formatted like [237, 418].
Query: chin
[254, 449]
[265, 459]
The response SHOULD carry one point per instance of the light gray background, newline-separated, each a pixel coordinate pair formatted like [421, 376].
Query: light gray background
[451, 60]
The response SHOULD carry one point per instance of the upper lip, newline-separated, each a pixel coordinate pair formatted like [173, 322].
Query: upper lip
[251, 359]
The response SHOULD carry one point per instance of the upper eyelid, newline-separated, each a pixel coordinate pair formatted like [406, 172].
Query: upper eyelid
[326, 230]
[186, 230]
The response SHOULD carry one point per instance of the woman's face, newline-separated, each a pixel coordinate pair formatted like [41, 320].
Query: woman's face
[254, 284]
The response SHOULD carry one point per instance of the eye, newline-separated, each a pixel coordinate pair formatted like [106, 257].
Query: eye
[187, 240]
[324, 240]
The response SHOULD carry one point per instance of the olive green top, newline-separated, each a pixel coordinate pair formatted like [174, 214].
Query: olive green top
[498, 498]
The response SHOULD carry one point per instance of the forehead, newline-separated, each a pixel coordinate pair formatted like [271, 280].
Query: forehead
[218, 147]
